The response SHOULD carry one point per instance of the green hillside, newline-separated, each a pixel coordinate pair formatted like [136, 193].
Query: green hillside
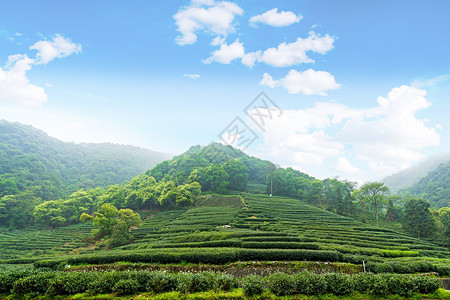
[35, 167]
[434, 187]
[29, 157]
[198, 215]
[411, 176]
[223, 229]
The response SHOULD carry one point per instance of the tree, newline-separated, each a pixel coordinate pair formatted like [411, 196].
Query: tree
[315, 193]
[418, 219]
[50, 214]
[374, 193]
[238, 173]
[216, 178]
[113, 224]
[443, 225]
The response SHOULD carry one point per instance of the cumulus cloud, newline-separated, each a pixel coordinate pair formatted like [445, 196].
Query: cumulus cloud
[192, 76]
[288, 54]
[227, 53]
[274, 18]
[309, 82]
[14, 84]
[57, 48]
[207, 16]
[384, 138]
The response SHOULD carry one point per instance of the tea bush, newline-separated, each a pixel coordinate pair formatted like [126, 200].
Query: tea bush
[281, 284]
[253, 285]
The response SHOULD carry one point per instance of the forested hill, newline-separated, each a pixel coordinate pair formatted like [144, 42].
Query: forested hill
[435, 187]
[409, 177]
[32, 160]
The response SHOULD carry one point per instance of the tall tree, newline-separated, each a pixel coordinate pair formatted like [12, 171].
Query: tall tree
[238, 172]
[418, 219]
[374, 193]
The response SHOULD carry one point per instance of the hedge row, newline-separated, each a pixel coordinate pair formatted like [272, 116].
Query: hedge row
[280, 245]
[342, 284]
[36, 283]
[407, 267]
[122, 283]
[202, 255]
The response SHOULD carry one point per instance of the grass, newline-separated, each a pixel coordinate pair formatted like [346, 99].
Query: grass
[239, 294]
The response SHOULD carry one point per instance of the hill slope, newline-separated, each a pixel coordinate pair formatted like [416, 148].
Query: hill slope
[409, 177]
[29, 157]
[259, 227]
[435, 187]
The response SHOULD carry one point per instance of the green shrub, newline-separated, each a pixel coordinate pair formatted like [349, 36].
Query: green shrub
[126, 287]
[379, 267]
[7, 279]
[309, 283]
[339, 284]
[281, 284]
[225, 282]
[443, 270]
[69, 283]
[160, 282]
[193, 283]
[426, 284]
[104, 282]
[253, 285]
[36, 284]
[402, 285]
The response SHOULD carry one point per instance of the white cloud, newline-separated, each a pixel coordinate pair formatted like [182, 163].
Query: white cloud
[14, 84]
[343, 165]
[59, 47]
[309, 82]
[380, 140]
[208, 16]
[274, 18]
[295, 53]
[192, 76]
[251, 58]
[227, 53]
[18, 34]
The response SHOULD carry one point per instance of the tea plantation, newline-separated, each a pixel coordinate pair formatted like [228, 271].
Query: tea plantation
[222, 230]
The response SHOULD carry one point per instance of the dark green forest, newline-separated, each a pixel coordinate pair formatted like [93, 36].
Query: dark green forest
[35, 167]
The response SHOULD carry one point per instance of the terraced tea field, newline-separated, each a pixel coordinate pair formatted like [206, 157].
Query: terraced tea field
[31, 243]
[222, 229]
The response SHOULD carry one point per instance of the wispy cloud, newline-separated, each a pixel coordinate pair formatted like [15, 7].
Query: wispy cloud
[192, 76]
[422, 83]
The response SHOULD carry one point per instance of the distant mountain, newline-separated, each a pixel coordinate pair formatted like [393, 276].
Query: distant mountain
[409, 177]
[30, 158]
[435, 187]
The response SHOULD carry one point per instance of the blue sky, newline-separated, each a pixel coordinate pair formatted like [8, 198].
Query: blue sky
[362, 86]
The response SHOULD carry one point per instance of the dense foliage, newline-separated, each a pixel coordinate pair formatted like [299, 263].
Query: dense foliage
[52, 283]
[35, 167]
